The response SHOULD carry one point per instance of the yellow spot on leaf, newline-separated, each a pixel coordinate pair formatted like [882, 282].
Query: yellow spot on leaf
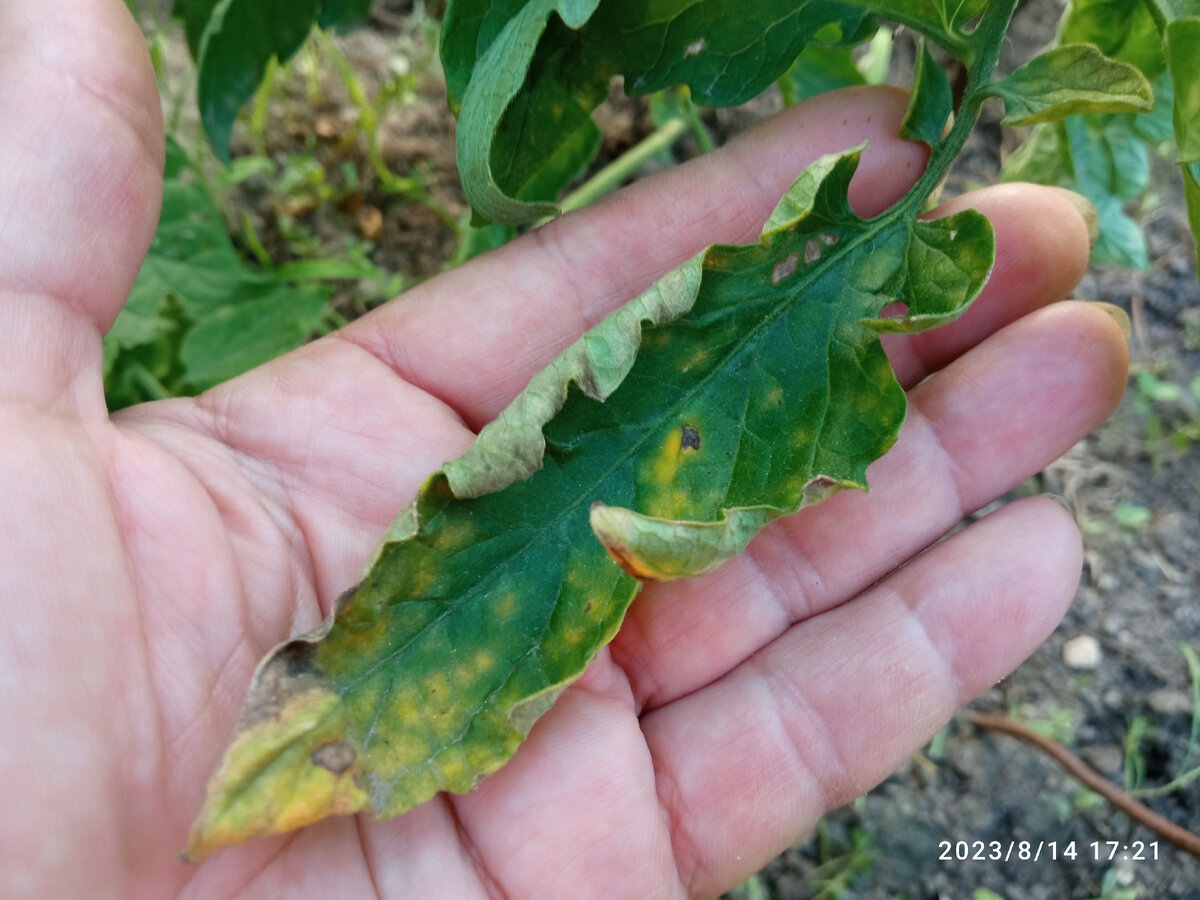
[422, 580]
[504, 607]
[696, 359]
[452, 763]
[408, 748]
[404, 707]
[437, 685]
[456, 535]
[666, 462]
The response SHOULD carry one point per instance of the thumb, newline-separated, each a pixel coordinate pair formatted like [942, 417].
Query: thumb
[80, 185]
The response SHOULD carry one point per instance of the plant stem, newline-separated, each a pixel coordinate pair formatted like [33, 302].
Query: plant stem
[609, 178]
[258, 115]
[151, 386]
[253, 242]
[983, 58]
[691, 115]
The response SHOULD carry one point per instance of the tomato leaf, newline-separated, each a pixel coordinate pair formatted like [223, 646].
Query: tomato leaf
[743, 386]
[1121, 29]
[1191, 193]
[930, 104]
[343, 14]
[239, 39]
[1183, 51]
[1070, 80]
[524, 77]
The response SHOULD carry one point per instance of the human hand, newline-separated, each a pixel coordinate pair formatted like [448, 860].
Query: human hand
[149, 559]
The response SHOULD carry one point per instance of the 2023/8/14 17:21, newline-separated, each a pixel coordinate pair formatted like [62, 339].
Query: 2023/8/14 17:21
[1025, 851]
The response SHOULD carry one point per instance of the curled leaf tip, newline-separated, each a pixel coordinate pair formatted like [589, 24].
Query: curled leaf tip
[655, 549]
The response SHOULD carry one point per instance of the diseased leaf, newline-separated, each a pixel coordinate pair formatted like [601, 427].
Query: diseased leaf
[1070, 80]
[745, 385]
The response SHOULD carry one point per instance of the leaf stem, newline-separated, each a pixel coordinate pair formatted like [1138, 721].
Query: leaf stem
[983, 58]
[253, 242]
[609, 178]
[153, 388]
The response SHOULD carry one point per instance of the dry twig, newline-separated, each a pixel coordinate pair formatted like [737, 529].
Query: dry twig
[1090, 778]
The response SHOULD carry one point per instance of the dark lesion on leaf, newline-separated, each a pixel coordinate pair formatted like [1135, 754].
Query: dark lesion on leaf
[288, 673]
[336, 756]
[690, 439]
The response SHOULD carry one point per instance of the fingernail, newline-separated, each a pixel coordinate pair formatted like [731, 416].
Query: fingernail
[1117, 314]
[1090, 217]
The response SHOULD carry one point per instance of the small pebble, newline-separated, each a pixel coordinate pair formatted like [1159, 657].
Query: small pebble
[1106, 758]
[1082, 652]
[1166, 701]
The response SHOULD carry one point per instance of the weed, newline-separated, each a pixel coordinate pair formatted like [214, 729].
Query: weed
[1171, 413]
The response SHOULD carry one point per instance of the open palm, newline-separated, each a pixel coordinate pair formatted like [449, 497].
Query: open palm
[149, 559]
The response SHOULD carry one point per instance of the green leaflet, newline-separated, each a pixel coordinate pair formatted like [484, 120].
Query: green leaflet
[238, 41]
[930, 104]
[1183, 52]
[819, 69]
[1179, 21]
[1103, 158]
[1121, 29]
[549, 106]
[1103, 155]
[525, 75]
[1191, 193]
[1069, 80]
[769, 392]
[343, 14]
[232, 42]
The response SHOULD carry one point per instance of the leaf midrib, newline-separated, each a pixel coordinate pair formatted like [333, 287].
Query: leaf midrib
[812, 274]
